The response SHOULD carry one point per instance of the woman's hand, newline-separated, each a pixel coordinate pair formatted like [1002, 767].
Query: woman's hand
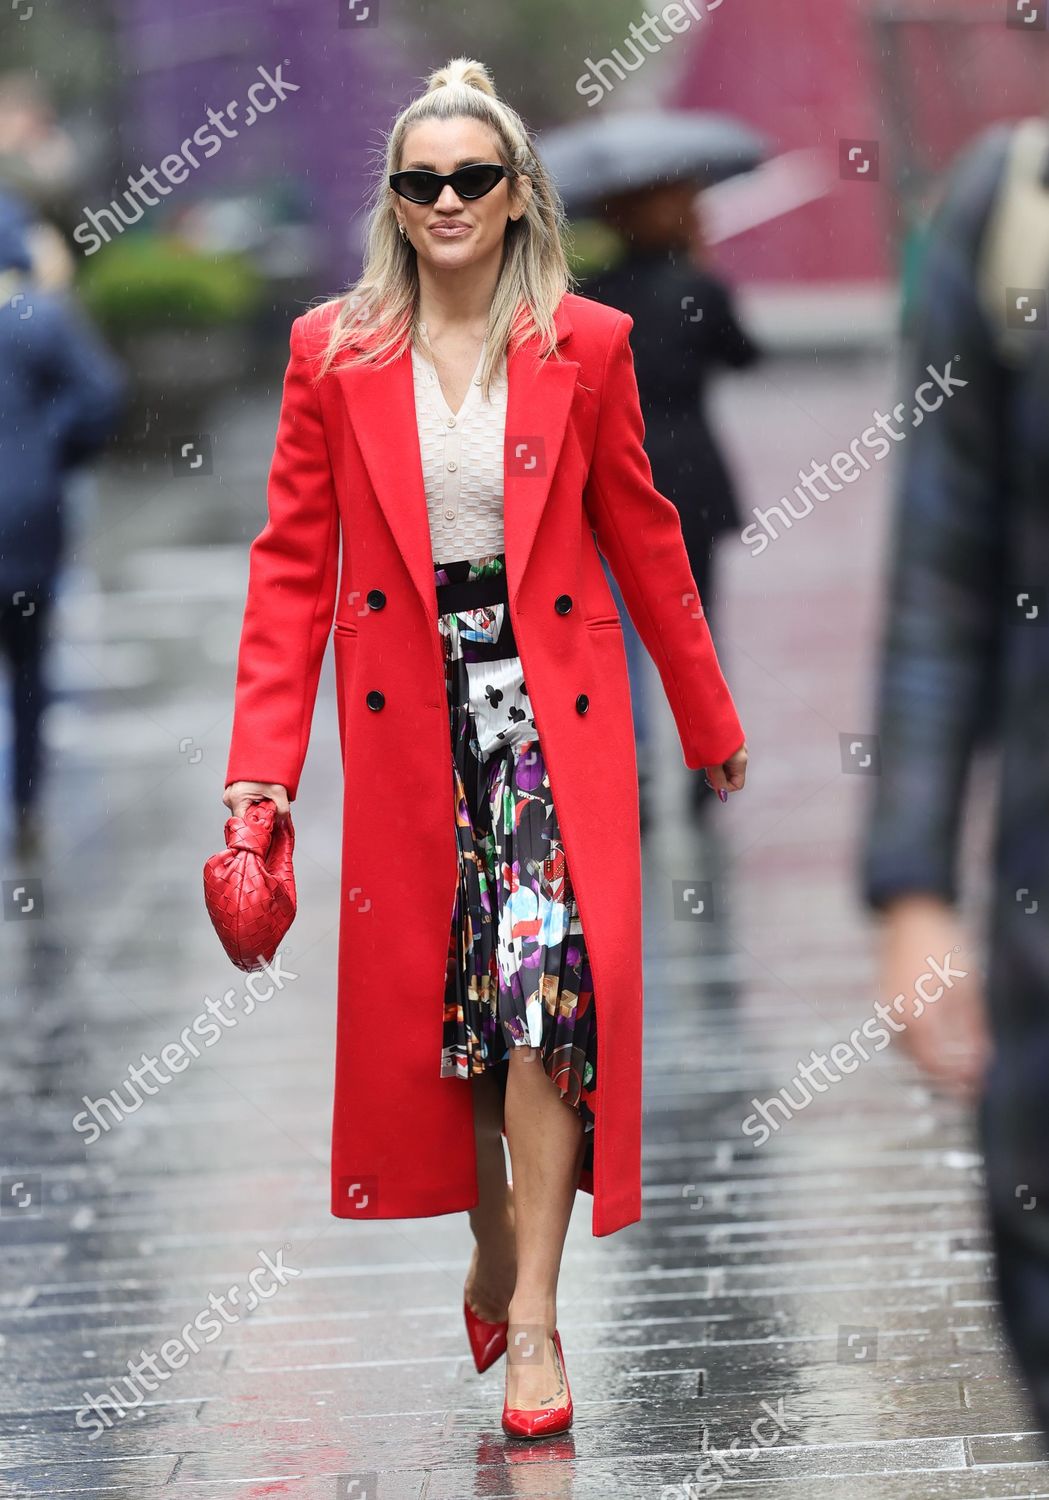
[730, 776]
[239, 795]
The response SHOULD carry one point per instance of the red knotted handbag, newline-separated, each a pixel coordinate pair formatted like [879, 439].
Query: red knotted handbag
[249, 888]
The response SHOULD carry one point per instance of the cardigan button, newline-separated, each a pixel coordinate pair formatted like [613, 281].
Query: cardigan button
[375, 699]
[376, 598]
[582, 703]
[563, 603]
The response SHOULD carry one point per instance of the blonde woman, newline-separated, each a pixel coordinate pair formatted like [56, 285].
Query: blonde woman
[459, 433]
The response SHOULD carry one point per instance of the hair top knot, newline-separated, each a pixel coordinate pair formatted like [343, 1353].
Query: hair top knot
[462, 72]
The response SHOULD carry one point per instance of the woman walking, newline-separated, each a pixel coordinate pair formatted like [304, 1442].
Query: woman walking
[466, 427]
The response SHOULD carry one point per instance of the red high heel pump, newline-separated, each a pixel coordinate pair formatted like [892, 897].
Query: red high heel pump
[487, 1340]
[545, 1421]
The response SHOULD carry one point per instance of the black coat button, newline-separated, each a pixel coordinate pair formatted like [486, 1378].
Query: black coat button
[582, 703]
[376, 598]
[375, 699]
[563, 603]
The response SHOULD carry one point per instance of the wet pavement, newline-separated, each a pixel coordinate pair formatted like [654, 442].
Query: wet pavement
[806, 1317]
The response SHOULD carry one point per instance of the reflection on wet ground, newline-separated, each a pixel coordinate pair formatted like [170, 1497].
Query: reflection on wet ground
[807, 1318]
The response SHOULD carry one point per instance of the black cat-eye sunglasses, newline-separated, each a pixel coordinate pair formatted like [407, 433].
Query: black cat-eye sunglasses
[474, 181]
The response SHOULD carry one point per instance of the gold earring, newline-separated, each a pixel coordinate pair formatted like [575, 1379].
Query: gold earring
[404, 233]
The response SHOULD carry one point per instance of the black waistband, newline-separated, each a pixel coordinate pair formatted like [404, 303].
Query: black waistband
[473, 593]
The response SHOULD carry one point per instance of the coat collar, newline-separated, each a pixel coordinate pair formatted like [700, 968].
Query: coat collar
[381, 406]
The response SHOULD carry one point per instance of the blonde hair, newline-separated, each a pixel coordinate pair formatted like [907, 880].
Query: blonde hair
[383, 303]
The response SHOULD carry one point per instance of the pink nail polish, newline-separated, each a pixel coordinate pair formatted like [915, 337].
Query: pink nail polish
[722, 794]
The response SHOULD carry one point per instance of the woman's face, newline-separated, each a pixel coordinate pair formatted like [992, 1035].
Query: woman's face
[453, 233]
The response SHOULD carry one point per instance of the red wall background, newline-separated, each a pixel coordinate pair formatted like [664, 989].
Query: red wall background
[816, 71]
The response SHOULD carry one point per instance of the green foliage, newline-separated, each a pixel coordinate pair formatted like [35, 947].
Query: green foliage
[591, 246]
[150, 281]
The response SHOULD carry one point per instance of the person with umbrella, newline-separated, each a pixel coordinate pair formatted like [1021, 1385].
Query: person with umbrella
[642, 172]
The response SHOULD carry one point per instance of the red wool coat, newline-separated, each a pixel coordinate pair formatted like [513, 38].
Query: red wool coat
[347, 468]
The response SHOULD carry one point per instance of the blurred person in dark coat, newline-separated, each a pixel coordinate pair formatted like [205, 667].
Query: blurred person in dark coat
[965, 669]
[61, 394]
[685, 328]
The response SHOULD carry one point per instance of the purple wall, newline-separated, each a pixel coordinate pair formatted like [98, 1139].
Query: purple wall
[315, 149]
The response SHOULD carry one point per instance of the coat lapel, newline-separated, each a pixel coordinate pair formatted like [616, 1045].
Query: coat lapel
[381, 407]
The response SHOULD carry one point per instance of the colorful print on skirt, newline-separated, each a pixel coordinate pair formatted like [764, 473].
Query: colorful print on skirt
[518, 971]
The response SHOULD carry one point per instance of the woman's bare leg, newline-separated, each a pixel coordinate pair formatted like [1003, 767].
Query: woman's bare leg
[547, 1142]
[493, 1268]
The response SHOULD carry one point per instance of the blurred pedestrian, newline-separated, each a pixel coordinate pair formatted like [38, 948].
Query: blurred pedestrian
[40, 157]
[60, 398]
[685, 328]
[965, 668]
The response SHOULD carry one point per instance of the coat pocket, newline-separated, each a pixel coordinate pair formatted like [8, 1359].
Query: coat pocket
[604, 622]
[341, 628]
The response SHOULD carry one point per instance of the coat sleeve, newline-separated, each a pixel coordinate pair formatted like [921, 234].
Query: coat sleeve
[292, 581]
[941, 636]
[639, 532]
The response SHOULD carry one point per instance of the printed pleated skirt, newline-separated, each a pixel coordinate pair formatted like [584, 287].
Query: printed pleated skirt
[518, 973]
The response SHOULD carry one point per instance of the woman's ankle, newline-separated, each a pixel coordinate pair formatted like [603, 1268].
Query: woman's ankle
[533, 1311]
[490, 1279]
[494, 1232]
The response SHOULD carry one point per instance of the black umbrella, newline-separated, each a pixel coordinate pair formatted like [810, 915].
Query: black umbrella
[593, 159]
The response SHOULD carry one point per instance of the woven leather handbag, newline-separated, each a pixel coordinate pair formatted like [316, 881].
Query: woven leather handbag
[249, 888]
